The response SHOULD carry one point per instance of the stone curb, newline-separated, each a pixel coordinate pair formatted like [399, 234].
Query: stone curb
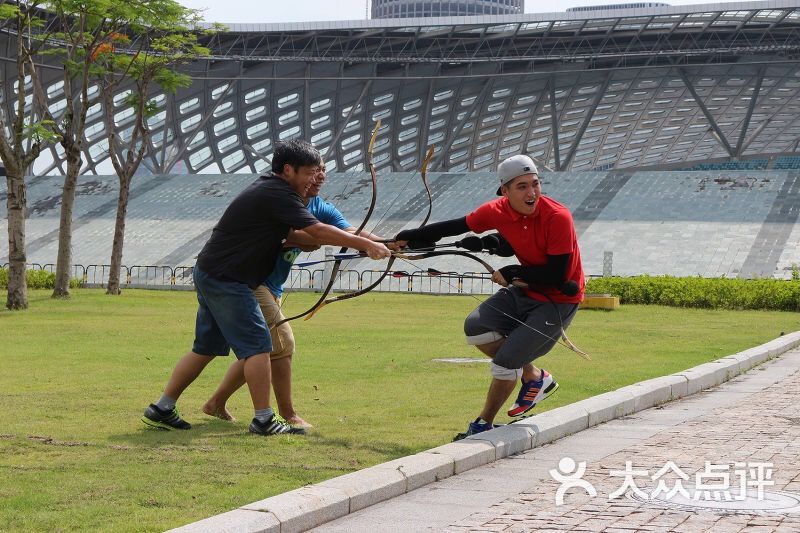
[313, 505]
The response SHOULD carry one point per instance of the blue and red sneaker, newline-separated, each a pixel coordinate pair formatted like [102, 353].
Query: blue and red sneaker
[474, 428]
[532, 393]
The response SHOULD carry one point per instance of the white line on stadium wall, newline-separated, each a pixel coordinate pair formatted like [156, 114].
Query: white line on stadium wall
[491, 74]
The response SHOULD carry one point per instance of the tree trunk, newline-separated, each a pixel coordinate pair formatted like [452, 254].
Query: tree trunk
[15, 203]
[119, 236]
[64, 260]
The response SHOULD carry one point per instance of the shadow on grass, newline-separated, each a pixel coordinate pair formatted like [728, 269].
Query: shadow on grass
[210, 432]
[391, 450]
[206, 430]
[212, 429]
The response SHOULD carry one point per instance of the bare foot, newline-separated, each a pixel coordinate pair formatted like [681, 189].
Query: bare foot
[298, 422]
[220, 412]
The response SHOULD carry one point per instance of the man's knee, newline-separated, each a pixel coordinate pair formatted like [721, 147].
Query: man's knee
[483, 339]
[283, 341]
[281, 365]
[280, 355]
[492, 348]
[505, 374]
[480, 332]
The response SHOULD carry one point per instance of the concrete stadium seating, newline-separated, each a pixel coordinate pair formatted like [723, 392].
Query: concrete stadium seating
[747, 164]
[706, 223]
[787, 162]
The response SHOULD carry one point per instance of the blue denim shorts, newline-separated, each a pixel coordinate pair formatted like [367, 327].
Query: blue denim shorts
[228, 317]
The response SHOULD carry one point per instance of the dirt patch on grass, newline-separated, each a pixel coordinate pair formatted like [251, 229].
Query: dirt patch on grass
[53, 442]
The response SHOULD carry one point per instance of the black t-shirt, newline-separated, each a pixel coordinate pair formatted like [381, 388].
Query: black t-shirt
[246, 241]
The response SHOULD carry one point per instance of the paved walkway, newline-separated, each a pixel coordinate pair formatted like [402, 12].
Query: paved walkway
[753, 419]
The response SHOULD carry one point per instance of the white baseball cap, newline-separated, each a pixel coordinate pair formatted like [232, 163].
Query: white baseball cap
[514, 166]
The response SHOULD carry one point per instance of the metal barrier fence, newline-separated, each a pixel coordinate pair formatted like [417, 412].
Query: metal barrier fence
[300, 279]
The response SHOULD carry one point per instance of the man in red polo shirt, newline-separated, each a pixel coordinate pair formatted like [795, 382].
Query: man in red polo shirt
[539, 298]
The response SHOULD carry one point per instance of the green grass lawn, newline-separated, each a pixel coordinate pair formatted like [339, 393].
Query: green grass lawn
[77, 374]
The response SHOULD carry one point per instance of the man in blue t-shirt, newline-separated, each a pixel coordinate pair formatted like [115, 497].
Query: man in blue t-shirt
[269, 295]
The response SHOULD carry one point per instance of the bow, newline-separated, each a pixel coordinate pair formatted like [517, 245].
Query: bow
[424, 175]
[337, 264]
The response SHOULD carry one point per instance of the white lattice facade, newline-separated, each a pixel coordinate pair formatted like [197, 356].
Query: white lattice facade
[612, 89]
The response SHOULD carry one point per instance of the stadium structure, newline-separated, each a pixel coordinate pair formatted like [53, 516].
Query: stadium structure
[605, 100]
[576, 90]
[444, 8]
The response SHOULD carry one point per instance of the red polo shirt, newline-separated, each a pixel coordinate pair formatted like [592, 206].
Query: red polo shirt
[548, 231]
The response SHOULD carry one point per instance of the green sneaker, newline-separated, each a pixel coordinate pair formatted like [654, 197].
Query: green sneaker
[158, 418]
[274, 426]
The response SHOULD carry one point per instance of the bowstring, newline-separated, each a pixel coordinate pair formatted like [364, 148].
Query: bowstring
[400, 192]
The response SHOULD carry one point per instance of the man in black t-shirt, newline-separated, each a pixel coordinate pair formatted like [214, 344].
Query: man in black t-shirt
[240, 254]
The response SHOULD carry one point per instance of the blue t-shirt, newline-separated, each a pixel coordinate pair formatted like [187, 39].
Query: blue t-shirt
[325, 213]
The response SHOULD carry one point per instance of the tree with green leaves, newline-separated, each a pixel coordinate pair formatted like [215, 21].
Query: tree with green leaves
[165, 37]
[82, 35]
[79, 31]
[23, 133]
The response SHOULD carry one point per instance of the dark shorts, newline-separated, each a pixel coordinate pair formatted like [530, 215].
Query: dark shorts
[502, 314]
[228, 317]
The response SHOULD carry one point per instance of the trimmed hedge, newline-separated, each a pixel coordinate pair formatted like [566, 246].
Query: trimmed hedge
[706, 293]
[37, 279]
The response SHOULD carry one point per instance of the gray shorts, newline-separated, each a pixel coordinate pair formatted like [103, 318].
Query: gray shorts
[499, 317]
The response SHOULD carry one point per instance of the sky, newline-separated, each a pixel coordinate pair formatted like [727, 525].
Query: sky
[261, 11]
